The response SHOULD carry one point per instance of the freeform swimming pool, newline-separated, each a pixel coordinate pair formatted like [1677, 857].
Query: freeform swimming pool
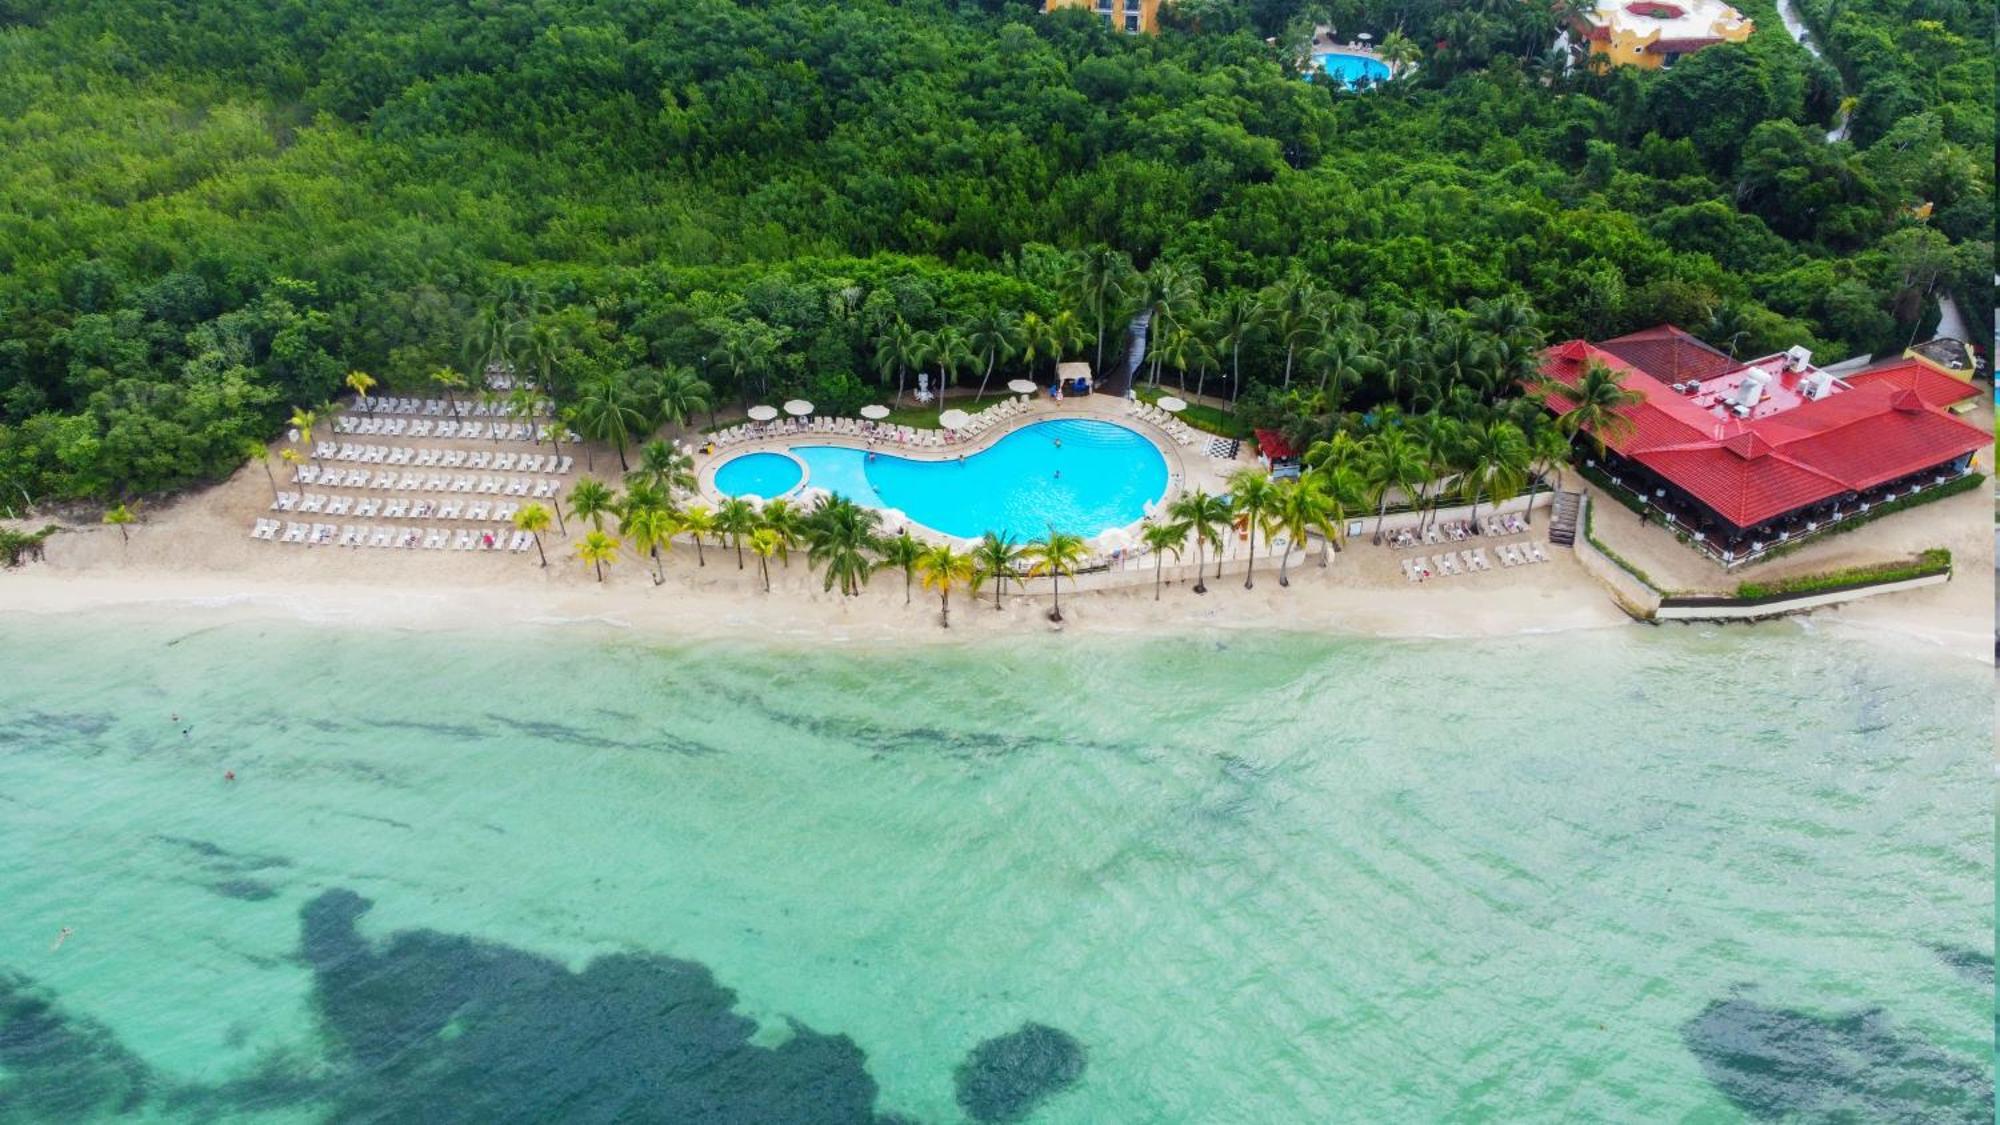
[766, 476]
[1349, 70]
[1078, 475]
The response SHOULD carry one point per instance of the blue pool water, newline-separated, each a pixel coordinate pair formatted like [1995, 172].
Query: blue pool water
[1108, 475]
[1349, 70]
[766, 476]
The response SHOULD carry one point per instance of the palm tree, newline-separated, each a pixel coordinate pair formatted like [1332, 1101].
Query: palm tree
[1498, 458]
[608, 409]
[1161, 538]
[839, 536]
[1344, 489]
[787, 523]
[994, 336]
[303, 421]
[1343, 364]
[1170, 291]
[663, 468]
[1441, 441]
[1038, 339]
[1548, 451]
[259, 452]
[122, 517]
[1253, 497]
[1239, 317]
[906, 553]
[293, 458]
[360, 382]
[1399, 52]
[1056, 555]
[952, 354]
[1292, 307]
[1204, 516]
[534, 519]
[1302, 507]
[697, 521]
[679, 395]
[597, 549]
[448, 380]
[1595, 400]
[942, 568]
[1096, 275]
[651, 527]
[764, 544]
[1395, 462]
[593, 500]
[996, 553]
[895, 351]
[736, 519]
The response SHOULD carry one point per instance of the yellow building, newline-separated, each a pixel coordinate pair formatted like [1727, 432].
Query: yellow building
[1656, 33]
[1121, 15]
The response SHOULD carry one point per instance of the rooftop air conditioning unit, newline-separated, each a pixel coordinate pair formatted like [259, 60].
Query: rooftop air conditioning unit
[1797, 357]
[1751, 389]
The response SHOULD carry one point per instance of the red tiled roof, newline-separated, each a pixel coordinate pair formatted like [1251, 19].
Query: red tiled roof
[1272, 444]
[1669, 354]
[1886, 425]
[1932, 385]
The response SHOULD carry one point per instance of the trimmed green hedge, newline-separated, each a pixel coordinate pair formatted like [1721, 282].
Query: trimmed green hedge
[1589, 517]
[1937, 560]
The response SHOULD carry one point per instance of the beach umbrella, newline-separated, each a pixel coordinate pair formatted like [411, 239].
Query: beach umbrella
[893, 520]
[1022, 386]
[1172, 405]
[762, 413]
[798, 408]
[875, 413]
[809, 497]
[1111, 539]
[954, 419]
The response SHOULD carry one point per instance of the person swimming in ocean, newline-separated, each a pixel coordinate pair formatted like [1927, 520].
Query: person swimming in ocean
[61, 936]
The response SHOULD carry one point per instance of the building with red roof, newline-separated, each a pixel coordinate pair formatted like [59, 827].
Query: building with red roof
[1745, 455]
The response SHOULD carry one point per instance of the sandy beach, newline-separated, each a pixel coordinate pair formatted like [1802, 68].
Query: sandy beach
[196, 552]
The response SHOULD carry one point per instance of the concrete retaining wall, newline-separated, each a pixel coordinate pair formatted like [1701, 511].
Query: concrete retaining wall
[1719, 610]
[1633, 596]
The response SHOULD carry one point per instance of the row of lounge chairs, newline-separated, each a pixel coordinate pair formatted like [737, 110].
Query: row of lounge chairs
[503, 461]
[994, 415]
[443, 408]
[840, 427]
[359, 535]
[1457, 531]
[1450, 563]
[539, 488]
[425, 428]
[1173, 427]
[369, 507]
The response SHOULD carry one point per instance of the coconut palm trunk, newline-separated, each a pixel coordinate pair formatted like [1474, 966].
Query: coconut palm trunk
[538, 550]
[1159, 577]
[944, 603]
[1250, 571]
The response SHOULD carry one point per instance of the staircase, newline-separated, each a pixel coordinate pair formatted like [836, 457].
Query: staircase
[1562, 521]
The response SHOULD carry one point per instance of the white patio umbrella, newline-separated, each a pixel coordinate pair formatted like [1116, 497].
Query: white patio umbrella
[798, 408]
[893, 520]
[954, 419]
[875, 412]
[1111, 539]
[1171, 404]
[808, 497]
[761, 413]
[1022, 386]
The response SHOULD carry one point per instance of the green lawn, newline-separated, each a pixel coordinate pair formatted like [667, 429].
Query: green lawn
[1202, 417]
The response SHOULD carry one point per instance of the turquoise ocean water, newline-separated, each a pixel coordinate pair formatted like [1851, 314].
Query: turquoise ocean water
[594, 875]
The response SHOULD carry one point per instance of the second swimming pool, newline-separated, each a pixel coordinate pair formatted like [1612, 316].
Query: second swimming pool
[1078, 475]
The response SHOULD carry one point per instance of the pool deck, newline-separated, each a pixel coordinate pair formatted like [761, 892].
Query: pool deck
[1188, 467]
